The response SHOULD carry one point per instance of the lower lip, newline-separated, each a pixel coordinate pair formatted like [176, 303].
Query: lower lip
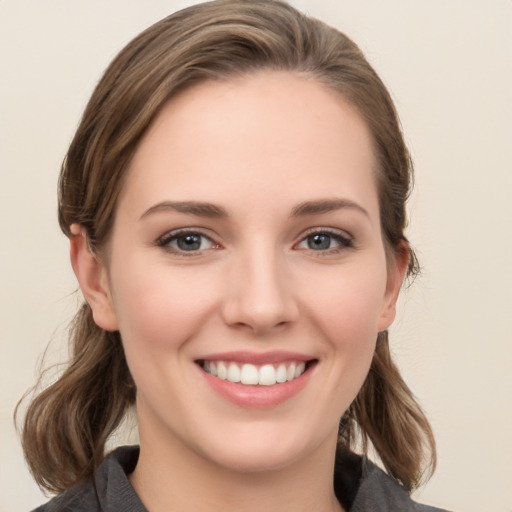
[257, 396]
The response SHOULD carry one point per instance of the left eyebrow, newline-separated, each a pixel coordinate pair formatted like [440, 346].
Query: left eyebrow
[326, 206]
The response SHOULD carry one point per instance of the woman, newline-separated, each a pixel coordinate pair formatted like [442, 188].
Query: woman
[235, 202]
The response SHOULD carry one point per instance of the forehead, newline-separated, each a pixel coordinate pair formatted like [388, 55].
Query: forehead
[268, 134]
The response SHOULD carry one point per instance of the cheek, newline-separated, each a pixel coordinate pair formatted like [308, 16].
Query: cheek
[348, 302]
[346, 307]
[158, 312]
[159, 308]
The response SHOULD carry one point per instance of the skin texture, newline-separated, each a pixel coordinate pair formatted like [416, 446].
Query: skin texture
[256, 147]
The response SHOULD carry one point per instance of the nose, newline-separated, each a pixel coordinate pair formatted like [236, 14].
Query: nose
[259, 296]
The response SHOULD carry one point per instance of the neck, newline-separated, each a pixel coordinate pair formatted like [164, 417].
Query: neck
[174, 478]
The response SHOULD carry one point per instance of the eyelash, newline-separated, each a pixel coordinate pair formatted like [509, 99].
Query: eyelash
[344, 242]
[165, 241]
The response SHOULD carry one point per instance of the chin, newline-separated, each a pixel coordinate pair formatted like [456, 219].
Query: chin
[254, 461]
[263, 450]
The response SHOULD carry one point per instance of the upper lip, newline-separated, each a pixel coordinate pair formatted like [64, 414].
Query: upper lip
[257, 358]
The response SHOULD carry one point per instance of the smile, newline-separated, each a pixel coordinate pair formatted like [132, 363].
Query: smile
[254, 375]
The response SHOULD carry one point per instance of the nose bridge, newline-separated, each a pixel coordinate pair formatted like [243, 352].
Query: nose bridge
[260, 294]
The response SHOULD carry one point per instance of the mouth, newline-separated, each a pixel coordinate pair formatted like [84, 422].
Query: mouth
[248, 374]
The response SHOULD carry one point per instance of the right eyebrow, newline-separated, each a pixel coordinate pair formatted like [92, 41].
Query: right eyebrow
[201, 209]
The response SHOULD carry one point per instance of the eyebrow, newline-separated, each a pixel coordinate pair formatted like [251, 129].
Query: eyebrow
[191, 207]
[326, 206]
[203, 209]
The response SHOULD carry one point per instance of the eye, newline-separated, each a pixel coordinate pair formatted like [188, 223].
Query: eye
[186, 242]
[325, 241]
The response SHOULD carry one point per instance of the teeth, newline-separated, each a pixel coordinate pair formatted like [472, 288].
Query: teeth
[222, 371]
[280, 373]
[267, 375]
[251, 375]
[233, 373]
[290, 373]
[300, 369]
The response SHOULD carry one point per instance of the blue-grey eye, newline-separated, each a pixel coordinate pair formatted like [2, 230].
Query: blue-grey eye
[186, 241]
[191, 242]
[324, 241]
[319, 242]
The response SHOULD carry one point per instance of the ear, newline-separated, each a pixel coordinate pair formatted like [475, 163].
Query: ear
[93, 279]
[397, 268]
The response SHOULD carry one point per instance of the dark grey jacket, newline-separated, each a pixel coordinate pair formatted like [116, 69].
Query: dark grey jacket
[359, 484]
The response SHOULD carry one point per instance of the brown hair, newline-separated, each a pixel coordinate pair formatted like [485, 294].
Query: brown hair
[67, 425]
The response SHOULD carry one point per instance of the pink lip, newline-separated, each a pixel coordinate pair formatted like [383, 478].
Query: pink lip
[274, 357]
[257, 396]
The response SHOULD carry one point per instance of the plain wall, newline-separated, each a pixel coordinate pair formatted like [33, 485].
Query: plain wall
[448, 66]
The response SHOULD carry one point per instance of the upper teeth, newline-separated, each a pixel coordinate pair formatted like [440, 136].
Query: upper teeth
[250, 374]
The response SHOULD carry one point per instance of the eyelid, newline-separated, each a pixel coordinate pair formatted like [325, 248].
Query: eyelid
[331, 231]
[164, 240]
[345, 239]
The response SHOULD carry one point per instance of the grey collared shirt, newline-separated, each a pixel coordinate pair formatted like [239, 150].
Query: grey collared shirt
[366, 488]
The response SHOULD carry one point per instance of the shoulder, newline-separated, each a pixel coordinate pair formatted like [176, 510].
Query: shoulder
[363, 487]
[378, 491]
[109, 491]
[81, 497]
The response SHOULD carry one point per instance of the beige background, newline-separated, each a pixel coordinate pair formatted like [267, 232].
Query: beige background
[448, 65]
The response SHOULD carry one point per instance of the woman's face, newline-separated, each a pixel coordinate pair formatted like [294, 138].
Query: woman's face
[247, 245]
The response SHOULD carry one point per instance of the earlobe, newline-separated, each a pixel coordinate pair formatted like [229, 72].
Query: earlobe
[397, 269]
[92, 277]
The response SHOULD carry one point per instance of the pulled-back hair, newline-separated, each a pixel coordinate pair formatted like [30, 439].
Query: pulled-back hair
[67, 425]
